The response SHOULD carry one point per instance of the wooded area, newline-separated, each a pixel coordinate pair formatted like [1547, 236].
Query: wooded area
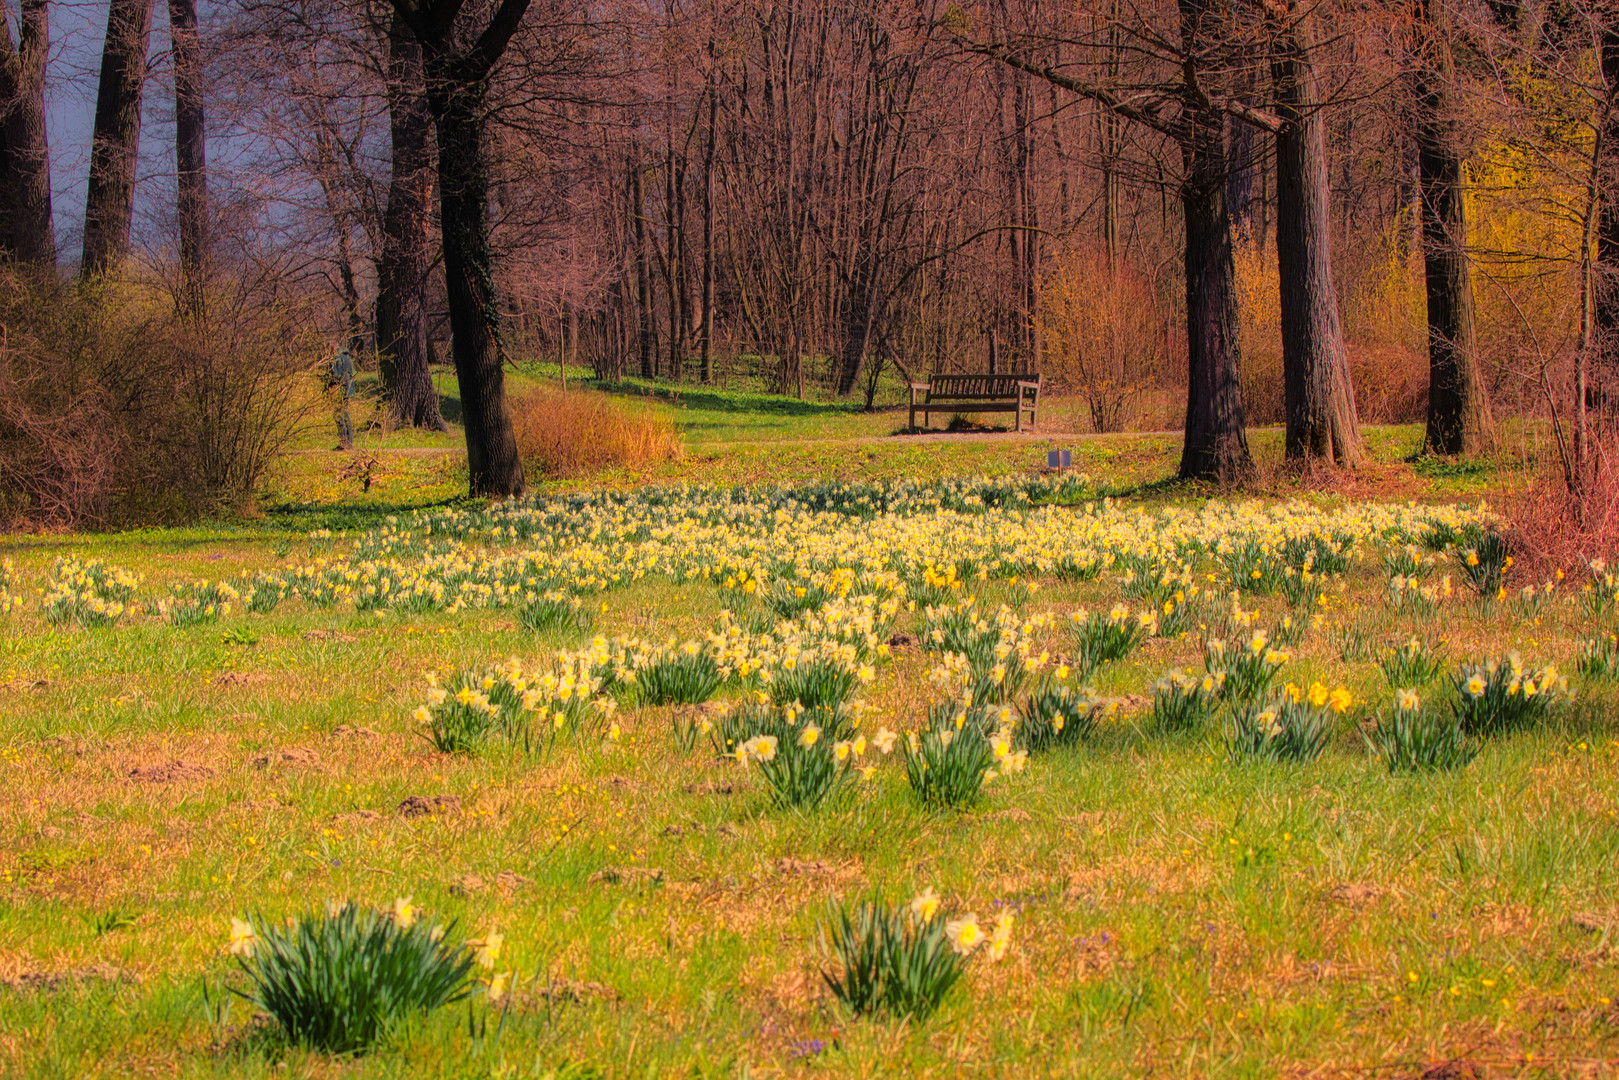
[1263, 210]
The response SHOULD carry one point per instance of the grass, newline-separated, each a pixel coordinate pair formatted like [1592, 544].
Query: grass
[1176, 912]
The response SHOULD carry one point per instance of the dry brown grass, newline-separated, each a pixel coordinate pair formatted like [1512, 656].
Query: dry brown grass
[569, 432]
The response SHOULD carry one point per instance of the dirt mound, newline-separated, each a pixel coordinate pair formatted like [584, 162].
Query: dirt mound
[292, 755]
[169, 772]
[425, 805]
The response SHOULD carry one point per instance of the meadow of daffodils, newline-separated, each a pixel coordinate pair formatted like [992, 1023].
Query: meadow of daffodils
[827, 657]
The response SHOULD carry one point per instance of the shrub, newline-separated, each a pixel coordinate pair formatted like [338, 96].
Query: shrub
[902, 961]
[569, 432]
[1494, 698]
[346, 980]
[114, 408]
[1413, 739]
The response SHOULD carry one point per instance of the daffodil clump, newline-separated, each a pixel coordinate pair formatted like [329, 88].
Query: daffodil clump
[1294, 724]
[1411, 664]
[346, 979]
[89, 593]
[1599, 658]
[1599, 595]
[1248, 667]
[1485, 563]
[1184, 703]
[527, 709]
[802, 760]
[1413, 738]
[1410, 595]
[902, 959]
[962, 748]
[1102, 639]
[985, 660]
[198, 602]
[552, 609]
[1496, 698]
[9, 601]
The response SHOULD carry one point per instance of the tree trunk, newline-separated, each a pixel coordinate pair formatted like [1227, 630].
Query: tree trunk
[1216, 437]
[26, 230]
[110, 200]
[1458, 409]
[401, 311]
[1606, 276]
[645, 332]
[707, 330]
[492, 459]
[190, 152]
[1321, 417]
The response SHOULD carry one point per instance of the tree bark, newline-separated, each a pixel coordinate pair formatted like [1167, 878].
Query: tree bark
[1216, 445]
[645, 331]
[1320, 399]
[26, 231]
[1459, 419]
[707, 329]
[457, 87]
[190, 152]
[110, 200]
[401, 310]
[1606, 276]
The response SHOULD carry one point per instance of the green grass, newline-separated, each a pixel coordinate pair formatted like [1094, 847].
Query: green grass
[1176, 912]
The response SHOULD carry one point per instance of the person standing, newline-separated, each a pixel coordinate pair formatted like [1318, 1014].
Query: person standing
[340, 378]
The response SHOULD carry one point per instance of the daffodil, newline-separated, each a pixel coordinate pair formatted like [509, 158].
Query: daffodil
[925, 904]
[964, 934]
[404, 912]
[1000, 939]
[243, 938]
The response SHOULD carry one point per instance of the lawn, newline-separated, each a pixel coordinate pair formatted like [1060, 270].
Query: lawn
[1180, 904]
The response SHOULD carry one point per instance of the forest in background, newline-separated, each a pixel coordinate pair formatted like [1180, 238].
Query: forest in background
[1213, 212]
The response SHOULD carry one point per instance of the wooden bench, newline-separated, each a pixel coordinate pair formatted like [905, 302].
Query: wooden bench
[1017, 394]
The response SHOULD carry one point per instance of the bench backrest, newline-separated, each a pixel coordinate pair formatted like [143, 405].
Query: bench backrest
[977, 386]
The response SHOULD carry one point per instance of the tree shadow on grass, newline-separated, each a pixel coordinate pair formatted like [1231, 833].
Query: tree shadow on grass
[698, 397]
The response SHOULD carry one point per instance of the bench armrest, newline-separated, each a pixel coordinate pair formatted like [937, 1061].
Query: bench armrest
[921, 386]
[1027, 384]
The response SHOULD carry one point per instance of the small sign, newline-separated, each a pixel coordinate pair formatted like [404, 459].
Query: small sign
[1059, 459]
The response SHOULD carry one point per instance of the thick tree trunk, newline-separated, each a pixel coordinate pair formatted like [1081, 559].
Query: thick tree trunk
[26, 230]
[1606, 316]
[190, 152]
[110, 200]
[1459, 419]
[401, 311]
[492, 459]
[1321, 418]
[1216, 445]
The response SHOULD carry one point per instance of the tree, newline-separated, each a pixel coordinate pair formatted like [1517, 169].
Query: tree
[457, 63]
[1193, 117]
[190, 150]
[26, 231]
[401, 311]
[110, 201]
[1320, 398]
[1459, 419]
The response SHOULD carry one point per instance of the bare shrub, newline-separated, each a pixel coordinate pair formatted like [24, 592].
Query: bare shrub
[1552, 529]
[568, 432]
[1105, 336]
[114, 409]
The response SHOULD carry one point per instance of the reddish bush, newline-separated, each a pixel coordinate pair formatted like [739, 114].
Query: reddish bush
[1552, 530]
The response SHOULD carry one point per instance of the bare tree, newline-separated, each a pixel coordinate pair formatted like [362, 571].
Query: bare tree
[1459, 420]
[190, 150]
[406, 244]
[26, 229]
[110, 201]
[458, 59]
